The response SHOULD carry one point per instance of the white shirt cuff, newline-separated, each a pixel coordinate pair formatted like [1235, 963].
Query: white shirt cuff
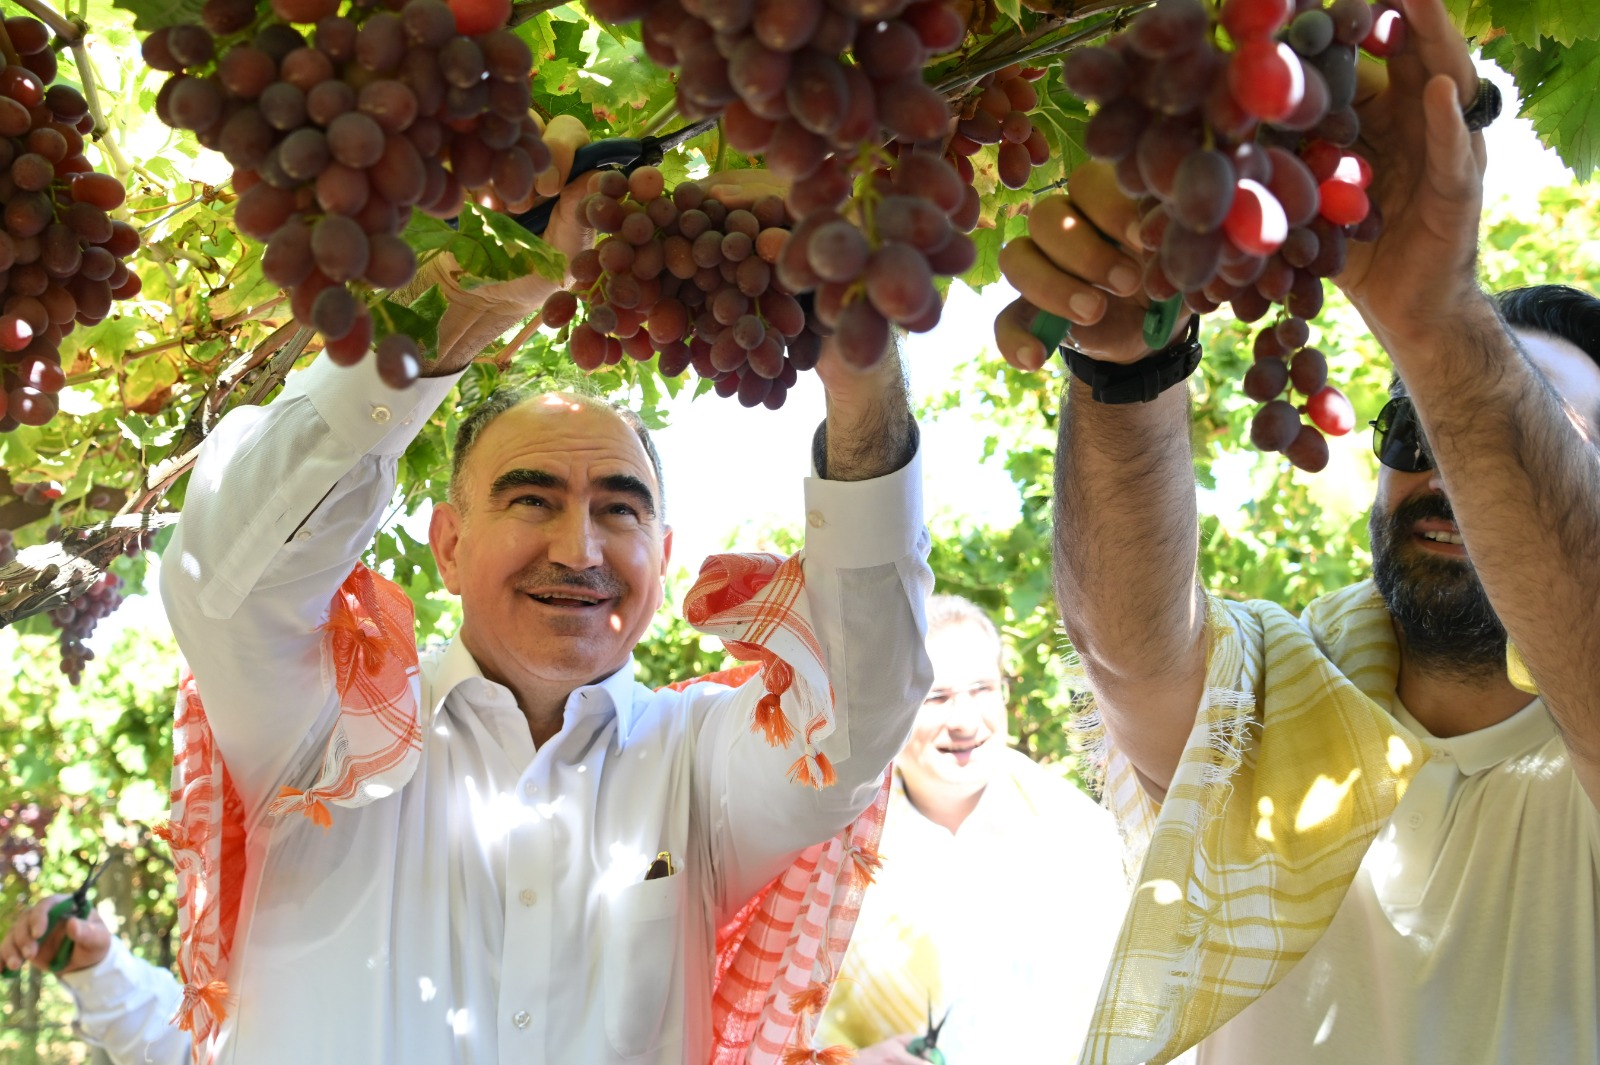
[107, 985]
[362, 411]
[859, 524]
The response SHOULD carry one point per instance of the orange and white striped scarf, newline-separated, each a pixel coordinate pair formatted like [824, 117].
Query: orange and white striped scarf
[777, 957]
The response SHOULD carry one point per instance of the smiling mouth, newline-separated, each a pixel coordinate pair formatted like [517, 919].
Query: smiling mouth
[568, 600]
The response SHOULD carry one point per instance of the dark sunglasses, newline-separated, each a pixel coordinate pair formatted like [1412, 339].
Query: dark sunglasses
[1397, 438]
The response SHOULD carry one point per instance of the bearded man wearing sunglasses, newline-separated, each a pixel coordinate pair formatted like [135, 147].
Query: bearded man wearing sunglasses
[1370, 833]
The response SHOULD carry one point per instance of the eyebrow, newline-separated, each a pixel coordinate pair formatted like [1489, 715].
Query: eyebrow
[620, 483]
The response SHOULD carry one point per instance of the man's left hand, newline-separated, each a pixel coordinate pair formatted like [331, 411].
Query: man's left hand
[1427, 182]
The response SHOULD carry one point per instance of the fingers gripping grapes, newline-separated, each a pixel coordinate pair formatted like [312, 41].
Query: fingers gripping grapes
[1240, 165]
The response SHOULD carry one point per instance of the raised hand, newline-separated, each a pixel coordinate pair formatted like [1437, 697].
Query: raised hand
[477, 316]
[1427, 181]
[1081, 260]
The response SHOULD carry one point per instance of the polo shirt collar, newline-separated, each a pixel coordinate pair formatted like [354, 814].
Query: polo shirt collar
[1522, 733]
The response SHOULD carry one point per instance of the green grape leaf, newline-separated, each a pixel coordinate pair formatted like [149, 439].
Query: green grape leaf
[419, 321]
[1526, 21]
[1557, 87]
[153, 14]
[492, 247]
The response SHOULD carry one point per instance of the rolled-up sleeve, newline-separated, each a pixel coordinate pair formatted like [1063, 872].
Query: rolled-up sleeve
[282, 501]
[867, 581]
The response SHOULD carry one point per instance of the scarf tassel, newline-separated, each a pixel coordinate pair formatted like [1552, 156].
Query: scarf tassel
[306, 802]
[211, 997]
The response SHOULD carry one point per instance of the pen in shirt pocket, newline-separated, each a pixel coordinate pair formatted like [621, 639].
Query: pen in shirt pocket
[661, 867]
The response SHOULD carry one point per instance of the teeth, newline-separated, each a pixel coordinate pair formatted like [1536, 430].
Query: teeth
[1444, 538]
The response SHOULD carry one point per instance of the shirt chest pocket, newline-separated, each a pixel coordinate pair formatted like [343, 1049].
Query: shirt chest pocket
[644, 969]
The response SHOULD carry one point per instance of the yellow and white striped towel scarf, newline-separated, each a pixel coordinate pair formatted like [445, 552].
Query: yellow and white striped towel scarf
[1294, 765]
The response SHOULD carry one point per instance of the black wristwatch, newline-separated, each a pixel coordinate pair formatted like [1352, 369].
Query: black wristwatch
[1142, 381]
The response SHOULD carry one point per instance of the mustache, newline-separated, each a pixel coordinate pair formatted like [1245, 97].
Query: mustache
[1421, 508]
[597, 582]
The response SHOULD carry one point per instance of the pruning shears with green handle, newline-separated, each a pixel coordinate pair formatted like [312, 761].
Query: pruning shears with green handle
[1159, 318]
[926, 1045]
[624, 153]
[74, 905]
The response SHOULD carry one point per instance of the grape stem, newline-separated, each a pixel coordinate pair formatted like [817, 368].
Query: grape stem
[7, 48]
[1034, 46]
[502, 360]
[658, 121]
[91, 96]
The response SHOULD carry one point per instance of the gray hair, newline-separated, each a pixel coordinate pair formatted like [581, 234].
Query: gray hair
[503, 399]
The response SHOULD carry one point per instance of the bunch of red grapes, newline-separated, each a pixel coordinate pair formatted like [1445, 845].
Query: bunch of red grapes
[77, 621]
[1249, 192]
[61, 253]
[816, 89]
[684, 278]
[337, 132]
[997, 113]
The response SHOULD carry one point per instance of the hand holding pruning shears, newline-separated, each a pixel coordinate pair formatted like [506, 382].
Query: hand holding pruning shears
[62, 928]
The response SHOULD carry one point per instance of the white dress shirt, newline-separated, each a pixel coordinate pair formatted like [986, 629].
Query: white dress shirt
[495, 908]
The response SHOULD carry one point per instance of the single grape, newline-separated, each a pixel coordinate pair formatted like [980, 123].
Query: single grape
[1308, 450]
[399, 360]
[1275, 426]
[1330, 411]
[1265, 380]
[1309, 371]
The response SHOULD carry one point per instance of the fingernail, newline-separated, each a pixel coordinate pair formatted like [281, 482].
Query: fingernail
[1086, 304]
[1124, 278]
[1134, 240]
[1032, 353]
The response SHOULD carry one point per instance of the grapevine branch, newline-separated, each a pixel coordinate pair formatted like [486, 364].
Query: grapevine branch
[1042, 42]
[52, 574]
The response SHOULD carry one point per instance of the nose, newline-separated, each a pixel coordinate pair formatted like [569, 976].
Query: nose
[963, 716]
[574, 540]
[1436, 481]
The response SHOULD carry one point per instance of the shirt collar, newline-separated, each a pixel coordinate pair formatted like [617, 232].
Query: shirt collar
[454, 667]
[1524, 731]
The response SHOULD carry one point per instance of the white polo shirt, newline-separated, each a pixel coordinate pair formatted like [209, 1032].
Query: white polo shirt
[1470, 936]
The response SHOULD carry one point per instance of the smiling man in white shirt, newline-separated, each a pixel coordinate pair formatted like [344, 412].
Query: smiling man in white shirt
[497, 906]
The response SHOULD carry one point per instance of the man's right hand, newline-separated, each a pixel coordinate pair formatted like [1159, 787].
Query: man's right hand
[21, 943]
[889, 1052]
[1081, 260]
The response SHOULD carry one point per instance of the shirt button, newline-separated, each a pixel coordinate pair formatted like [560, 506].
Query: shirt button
[530, 789]
[1415, 820]
[522, 1018]
[814, 519]
[380, 413]
[528, 897]
[303, 534]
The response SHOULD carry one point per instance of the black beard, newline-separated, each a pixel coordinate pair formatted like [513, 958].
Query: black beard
[1438, 604]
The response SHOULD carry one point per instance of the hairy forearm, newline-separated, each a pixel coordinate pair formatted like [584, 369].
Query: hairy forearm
[1127, 549]
[1524, 482]
[869, 433]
